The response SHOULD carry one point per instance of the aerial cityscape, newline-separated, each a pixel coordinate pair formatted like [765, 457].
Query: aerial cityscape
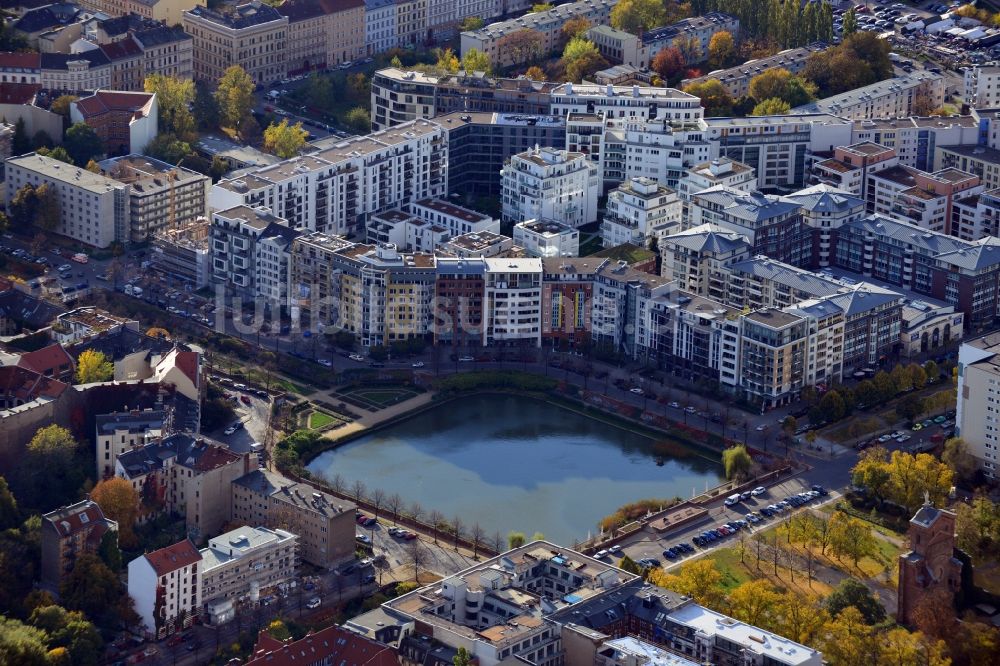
[480, 333]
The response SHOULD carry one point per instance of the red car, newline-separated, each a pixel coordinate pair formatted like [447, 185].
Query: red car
[246, 400]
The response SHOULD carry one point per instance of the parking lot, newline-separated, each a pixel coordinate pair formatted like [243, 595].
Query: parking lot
[648, 546]
[396, 554]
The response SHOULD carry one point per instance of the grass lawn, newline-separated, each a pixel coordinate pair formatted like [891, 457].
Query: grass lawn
[735, 573]
[319, 420]
[591, 245]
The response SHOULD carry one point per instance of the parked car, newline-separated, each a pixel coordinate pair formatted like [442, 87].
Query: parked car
[758, 491]
[313, 603]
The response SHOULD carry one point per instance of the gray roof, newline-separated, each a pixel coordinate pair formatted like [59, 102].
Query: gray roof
[134, 421]
[826, 199]
[797, 278]
[864, 297]
[928, 242]
[877, 90]
[754, 206]
[262, 482]
[980, 254]
[709, 238]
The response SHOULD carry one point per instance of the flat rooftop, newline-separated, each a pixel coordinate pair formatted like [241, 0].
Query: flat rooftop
[452, 210]
[773, 317]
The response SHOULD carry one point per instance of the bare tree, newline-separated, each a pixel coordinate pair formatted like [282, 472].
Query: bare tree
[378, 500]
[742, 545]
[477, 533]
[394, 503]
[758, 539]
[338, 483]
[416, 511]
[457, 525]
[497, 542]
[776, 554]
[417, 557]
[358, 489]
[436, 518]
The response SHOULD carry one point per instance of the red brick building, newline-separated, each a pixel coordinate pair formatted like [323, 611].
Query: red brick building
[332, 645]
[125, 121]
[930, 562]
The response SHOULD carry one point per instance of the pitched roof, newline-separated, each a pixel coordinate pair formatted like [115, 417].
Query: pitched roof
[69, 520]
[18, 93]
[709, 238]
[25, 385]
[51, 360]
[825, 198]
[49, 16]
[185, 361]
[333, 645]
[21, 60]
[982, 253]
[160, 35]
[95, 57]
[105, 101]
[179, 555]
[121, 50]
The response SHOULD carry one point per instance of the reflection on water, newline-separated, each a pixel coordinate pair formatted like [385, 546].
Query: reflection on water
[510, 463]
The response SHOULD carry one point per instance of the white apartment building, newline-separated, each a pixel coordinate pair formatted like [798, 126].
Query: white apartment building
[914, 139]
[897, 97]
[165, 586]
[976, 216]
[336, 188]
[489, 38]
[380, 26]
[250, 250]
[93, 209]
[777, 147]
[550, 184]
[720, 171]
[978, 413]
[512, 304]
[659, 149]
[639, 210]
[456, 220]
[119, 432]
[825, 209]
[674, 106]
[698, 259]
[244, 562]
[405, 231]
[545, 238]
[982, 86]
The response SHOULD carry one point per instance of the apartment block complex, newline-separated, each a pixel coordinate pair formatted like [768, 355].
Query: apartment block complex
[93, 209]
[336, 188]
[323, 34]
[546, 238]
[490, 38]
[252, 35]
[191, 477]
[324, 524]
[241, 563]
[550, 184]
[638, 210]
[167, 11]
[914, 94]
[982, 86]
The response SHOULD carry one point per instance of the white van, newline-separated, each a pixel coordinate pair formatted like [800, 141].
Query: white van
[733, 499]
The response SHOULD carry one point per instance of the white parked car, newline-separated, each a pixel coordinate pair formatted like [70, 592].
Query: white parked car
[758, 491]
[313, 603]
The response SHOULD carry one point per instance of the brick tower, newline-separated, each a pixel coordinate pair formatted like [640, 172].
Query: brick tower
[931, 561]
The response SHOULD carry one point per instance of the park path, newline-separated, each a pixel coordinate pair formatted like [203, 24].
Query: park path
[370, 419]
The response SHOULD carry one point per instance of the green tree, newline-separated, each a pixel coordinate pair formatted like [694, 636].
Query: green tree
[932, 370]
[959, 459]
[278, 630]
[234, 96]
[637, 16]
[70, 630]
[468, 24]
[61, 105]
[10, 517]
[462, 658]
[850, 25]
[475, 60]
[721, 49]
[92, 588]
[169, 148]
[535, 73]
[581, 59]
[57, 153]
[910, 407]
[850, 537]
[977, 526]
[714, 97]
[872, 471]
[358, 119]
[737, 462]
[174, 97]
[771, 107]
[832, 406]
[516, 540]
[93, 366]
[48, 210]
[285, 140]
[574, 27]
[629, 565]
[82, 143]
[779, 82]
[851, 592]
[20, 143]
[22, 644]
[205, 108]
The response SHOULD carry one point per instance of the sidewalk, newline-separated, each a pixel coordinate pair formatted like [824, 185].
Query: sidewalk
[371, 419]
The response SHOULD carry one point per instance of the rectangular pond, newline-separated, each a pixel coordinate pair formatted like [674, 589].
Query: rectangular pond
[514, 463]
